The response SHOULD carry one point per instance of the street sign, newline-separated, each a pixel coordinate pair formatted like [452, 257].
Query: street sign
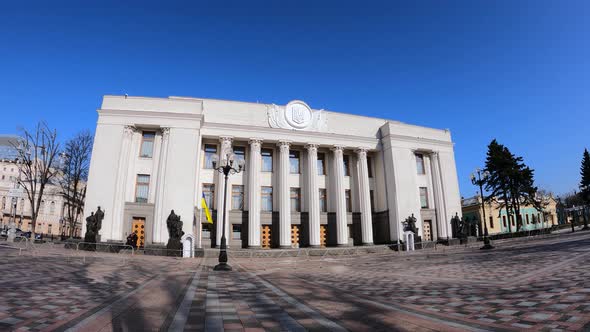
[16, 192]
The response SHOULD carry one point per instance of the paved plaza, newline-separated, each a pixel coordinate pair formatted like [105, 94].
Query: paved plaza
[541, 284]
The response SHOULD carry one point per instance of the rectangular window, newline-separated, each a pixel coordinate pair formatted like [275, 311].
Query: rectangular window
[539, 217]
[370, 166]
[236, 232]
[491, 222]
[527, 219]
[295, 200]
[372, 198]
[266, 199]
[348, 200]
[423, 198]
[504, 221]
[321, 164]
[49, 229]
[240, 154]
[294, 162]
[420, 163]
[142, 188]
[512, 220]
[266, 160]
[209, 194]
[210, 151]
[147, 144]
[346, 161]
[237, 197]
[323, 201]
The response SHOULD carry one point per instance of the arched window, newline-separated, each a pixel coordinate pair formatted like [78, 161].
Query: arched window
[52, 207]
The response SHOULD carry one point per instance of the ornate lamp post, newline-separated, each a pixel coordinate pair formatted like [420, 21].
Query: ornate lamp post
[478, 179]
[227, 166]
[586, 198]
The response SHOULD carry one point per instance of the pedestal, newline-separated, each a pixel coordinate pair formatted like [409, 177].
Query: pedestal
[409, 240]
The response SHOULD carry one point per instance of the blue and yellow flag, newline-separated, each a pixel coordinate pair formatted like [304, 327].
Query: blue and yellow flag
[204, 206]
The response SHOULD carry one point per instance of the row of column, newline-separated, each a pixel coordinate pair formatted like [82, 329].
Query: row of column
[254, 197]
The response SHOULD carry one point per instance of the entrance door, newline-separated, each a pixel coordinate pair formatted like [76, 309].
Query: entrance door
[427, 230]
[323, 235]
[295, 236]
[265, 236]
[138, 227]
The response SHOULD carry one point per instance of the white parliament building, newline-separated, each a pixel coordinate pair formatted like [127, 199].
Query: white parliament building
[312, 177]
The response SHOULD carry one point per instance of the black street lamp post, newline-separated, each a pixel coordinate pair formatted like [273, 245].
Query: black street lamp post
[586, 198]
[227, 166]
[479, 180]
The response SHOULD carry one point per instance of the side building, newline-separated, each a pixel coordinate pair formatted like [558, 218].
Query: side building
[497, 219]
[311, 177]
[52, 218]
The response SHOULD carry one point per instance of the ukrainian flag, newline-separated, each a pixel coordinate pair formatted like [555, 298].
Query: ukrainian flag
[204, 206]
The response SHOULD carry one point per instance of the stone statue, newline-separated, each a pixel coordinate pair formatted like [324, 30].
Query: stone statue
[91, 231]
[99, 215]
[175, 233]
[456, 226]
[410, 224]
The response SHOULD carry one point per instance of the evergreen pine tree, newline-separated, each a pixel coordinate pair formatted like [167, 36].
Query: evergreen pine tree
[585, 181]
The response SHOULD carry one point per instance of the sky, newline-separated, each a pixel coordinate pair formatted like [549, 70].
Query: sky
[517, 71]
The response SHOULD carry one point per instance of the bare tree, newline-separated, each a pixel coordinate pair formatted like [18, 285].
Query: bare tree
[37, 152]
[73, 175]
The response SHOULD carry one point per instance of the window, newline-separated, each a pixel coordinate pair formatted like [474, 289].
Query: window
[142, 188]
[504, 221]
[539, 217]
[295, 200]
[294, 162]
[346, 161]
[527, 219]
[209, 194]
[240, 154]
[210, 151]
[237, 197]
[372, 198]
[3, 203]
[321, 164]
[370, 166]
[423, 198]
[52, 207]
[236, 232]
[491, 222]
[323, 201]
[420, 164]
[266, 199]
[49, 229]
[41, 206]
[348, 200]
[266, 160]
[512, 220]
[147, 144]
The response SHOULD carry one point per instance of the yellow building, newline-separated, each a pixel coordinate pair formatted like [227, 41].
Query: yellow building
[497, 219]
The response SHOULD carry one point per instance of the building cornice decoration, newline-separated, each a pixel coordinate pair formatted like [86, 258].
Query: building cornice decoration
[129, 129]
[165, 131]
[296, 115]
[337, 148]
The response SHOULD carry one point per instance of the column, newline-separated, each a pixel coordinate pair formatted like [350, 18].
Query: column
[341, 224]
[226, 148]
[121, 184]
[441, 217]
[284, 196]
[314, 195]
[364, 197]
[159, 219]
[254, 193]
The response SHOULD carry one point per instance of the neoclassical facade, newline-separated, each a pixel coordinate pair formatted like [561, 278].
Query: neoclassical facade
[311, 177]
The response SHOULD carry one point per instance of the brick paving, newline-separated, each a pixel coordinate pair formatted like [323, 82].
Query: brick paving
[536, 285]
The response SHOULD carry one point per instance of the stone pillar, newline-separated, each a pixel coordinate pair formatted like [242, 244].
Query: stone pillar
[314, 195]
[341, 224]
[226, 147]
[254, 193]
[284, 196]
[159, 219]
[121, 184]
[441, 216]
[364, 197]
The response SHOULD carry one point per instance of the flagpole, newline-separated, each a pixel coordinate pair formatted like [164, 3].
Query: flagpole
[200, 227]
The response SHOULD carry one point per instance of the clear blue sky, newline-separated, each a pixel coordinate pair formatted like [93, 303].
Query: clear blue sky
[517, 71]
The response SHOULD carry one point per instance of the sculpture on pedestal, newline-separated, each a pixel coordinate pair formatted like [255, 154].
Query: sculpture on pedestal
[175, 233]
[93, 225]
[410, 224]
